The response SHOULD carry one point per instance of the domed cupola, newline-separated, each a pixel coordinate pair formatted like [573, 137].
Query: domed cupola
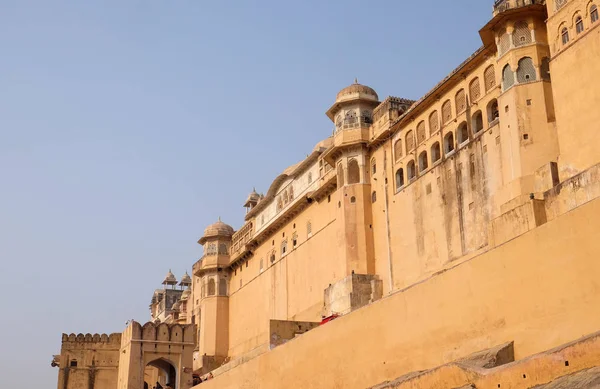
[170, 279]
[353, 107]
[185, 281]
[252, 200]
[217, 230]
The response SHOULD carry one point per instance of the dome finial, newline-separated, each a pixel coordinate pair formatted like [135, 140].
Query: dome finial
[219, 218]
[355, 80]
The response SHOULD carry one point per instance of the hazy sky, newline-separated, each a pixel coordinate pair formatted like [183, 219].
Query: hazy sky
[128, 126]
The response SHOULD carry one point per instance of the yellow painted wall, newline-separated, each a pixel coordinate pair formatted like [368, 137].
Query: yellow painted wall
[536, 290]
[574, 69]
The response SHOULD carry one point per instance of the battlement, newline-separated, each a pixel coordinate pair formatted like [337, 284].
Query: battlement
[114, 338]
[162, 332]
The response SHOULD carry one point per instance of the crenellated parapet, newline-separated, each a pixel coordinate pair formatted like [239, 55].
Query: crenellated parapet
[162, 332]
[114, 338]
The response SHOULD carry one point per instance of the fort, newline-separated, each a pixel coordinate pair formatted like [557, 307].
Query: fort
[449, 242]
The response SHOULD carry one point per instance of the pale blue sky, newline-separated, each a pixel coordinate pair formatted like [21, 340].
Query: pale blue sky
[128, 126]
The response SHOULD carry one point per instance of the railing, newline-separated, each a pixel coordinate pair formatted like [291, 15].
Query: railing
[505, 5]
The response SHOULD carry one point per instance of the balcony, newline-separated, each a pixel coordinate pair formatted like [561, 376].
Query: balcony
[505, 5]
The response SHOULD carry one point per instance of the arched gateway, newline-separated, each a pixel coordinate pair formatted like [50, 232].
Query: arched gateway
[154, 353]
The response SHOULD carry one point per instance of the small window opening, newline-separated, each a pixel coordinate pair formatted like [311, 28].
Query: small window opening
[73, 363]
[374, 197]
[353, 199]
[594, 14]
[399, 178]
[579, 25]
[525, 136]
[565, 36]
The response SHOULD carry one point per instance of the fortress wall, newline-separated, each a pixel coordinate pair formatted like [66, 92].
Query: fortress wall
[540, 290]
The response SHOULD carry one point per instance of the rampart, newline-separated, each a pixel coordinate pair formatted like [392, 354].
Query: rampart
[488, 300]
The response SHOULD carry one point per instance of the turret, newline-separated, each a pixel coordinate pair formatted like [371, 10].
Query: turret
[212, 309]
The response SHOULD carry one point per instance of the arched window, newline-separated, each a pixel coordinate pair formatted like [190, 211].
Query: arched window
[526, 70]
[477, 122]
[399, 178]
[211, 249]
[222, 287]
[373, 166]
[564, 35]
[461, 101]
[283, 247]
[373, 197]
[449, 143]
[366, 117]
[521, 34]
[398, 150]
[462, 133]
[410, 141]
[353, 172]
[423, 161]
[446, 112]
[490, 78]
[434, 123]
[492, 111]
[340, 175]
[350, 119]
[272, 256]
[508, 77]
[436, 153]
[579, 24]
[421, 132]
[211, 287]
[503, 44]
[545, 69]
[475, 89]
[222, 249]
[411, 170]
[308, 228]
[594, 14]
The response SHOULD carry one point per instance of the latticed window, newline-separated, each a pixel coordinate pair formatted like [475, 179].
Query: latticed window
[565, 36]
[410, 141]
[308, 228]
[594, 14]
[222, 249]
[211, 249]
[503, 44]
[461, 101]
[446, 112]
[545, 69]
[490, 78]
[421, 132]
[398, 150]
[475, 89]
[366, 117]
[508, 77]
[340, 175]
[211, 287]
[434, 123]
[579, 25]
[521, 34]
[353, 172]
[526, 70]
[560, 3]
